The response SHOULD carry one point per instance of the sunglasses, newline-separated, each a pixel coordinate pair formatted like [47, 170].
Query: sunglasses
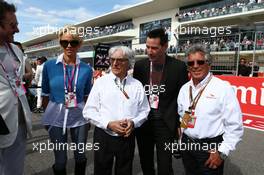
[199, 62]
[65, 43]
[118, 60]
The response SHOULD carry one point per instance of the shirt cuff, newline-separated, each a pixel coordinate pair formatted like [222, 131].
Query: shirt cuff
[105, 124]
[44, 94]
[224, 149]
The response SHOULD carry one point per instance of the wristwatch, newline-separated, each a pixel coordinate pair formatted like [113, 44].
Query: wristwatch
[222, 155]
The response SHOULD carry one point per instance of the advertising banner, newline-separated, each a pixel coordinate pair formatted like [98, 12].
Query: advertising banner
[250, 94]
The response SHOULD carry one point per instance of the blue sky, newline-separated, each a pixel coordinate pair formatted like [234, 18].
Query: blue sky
[33, 14]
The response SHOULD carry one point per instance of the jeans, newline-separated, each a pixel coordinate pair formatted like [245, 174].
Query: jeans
[78, 137]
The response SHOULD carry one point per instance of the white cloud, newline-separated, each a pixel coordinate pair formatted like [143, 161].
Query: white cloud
[37, 16]
[33, 10]
[118, 6]
[15, 1]
[53, 17]
[40, 21]
[78, 15]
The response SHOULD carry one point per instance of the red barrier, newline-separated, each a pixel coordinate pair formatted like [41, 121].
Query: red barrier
[250, 94]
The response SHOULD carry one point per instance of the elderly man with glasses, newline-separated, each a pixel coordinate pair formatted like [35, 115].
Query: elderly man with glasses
[211, 117]
[116, 105]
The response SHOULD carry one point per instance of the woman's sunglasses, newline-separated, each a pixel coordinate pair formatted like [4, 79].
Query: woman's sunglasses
[65, 43]
[199, 62]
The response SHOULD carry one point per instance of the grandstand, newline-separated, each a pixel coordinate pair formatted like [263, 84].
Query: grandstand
[231, 29]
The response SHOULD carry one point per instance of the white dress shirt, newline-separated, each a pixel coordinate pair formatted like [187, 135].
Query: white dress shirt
[107, 103]
[38, 75]
[217, 111]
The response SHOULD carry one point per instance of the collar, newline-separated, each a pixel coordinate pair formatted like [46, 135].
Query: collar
[4, 49]
[202, 83]
[114, 77]
[164, 63]
[60, 59]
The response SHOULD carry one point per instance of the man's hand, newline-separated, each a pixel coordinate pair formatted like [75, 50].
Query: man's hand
[117, 127]
[122, 127]
[129, 128]
[214, 160]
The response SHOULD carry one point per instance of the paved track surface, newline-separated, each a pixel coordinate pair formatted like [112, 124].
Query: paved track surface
[248, 159]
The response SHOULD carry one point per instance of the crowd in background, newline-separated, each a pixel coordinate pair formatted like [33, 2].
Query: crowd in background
[218, 9]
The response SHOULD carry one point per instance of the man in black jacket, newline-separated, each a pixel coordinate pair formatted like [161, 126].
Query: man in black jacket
[162, 77]
[243, 68]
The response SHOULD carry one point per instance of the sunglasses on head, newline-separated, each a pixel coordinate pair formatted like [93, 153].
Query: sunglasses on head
[65, 43]
[199, 62]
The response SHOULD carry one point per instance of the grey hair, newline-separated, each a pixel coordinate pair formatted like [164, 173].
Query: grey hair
[127, 53]
[199, 48]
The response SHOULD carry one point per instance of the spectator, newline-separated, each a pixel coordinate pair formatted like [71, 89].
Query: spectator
[243, 69]
[38, 80]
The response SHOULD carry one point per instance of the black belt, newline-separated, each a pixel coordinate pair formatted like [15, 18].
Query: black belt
[216, 139]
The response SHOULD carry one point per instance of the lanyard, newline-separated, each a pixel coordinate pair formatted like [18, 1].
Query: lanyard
[15, 68]
[151, 72]
[70, 79]
[15, 72]
[194, 101]
[122, 89]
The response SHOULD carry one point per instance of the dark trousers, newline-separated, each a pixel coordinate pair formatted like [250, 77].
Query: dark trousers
[110, 147]
[154, 132]
[78, 136]
[194, 159]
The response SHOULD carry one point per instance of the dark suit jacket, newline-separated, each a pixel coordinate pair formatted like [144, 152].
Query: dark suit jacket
[174, 76]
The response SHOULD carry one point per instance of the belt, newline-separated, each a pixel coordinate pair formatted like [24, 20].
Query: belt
[216, 139]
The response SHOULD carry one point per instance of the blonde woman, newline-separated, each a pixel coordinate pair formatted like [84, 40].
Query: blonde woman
[66, 84]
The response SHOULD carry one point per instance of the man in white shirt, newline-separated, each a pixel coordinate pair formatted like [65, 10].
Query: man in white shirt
[116, 105]
[38, 80]
[211, 117]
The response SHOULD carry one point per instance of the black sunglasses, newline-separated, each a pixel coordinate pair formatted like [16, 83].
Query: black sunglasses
[199, 62]
[118, 60]
[65, 43]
